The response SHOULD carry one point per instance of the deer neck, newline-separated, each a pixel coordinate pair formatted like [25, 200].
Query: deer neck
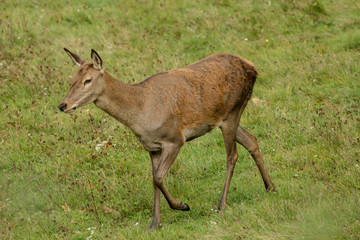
[122, 101]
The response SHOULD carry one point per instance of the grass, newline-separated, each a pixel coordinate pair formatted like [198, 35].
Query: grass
[54, 184]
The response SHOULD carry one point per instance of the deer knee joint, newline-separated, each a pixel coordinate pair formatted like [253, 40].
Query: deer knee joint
[236, 155]
[157, 180]
[254, 147]
[254, 150]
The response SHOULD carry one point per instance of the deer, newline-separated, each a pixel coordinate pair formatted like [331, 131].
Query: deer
[168, 109]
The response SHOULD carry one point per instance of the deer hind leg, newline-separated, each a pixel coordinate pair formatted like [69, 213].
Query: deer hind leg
[229, 135]
[155, 156]
[250, 143]
[161, 163]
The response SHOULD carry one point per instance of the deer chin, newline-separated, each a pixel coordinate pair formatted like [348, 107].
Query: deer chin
[71, 109]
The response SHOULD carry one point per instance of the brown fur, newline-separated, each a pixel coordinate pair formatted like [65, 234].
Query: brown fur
[169, 108]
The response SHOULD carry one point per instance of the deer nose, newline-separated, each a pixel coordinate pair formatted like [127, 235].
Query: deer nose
[62, 106]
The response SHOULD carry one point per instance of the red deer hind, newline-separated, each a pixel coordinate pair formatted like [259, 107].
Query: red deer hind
[168, 109]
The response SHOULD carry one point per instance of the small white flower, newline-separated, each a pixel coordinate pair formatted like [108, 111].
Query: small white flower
[97, 148]
[212, 222]
[108, 45]
[136, 224]
[246, 39]
[356, 165]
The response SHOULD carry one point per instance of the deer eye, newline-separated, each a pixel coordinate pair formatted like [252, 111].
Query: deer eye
[87, 81]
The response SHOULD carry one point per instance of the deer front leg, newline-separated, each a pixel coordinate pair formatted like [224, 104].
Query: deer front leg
[161, 162]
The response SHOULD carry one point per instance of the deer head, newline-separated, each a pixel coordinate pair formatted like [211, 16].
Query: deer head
[87, 83]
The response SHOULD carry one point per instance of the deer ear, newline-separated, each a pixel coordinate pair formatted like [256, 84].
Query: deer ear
[77, 60]
[96, 59]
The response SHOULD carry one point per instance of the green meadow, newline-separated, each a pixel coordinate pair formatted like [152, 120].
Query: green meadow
[85, 176]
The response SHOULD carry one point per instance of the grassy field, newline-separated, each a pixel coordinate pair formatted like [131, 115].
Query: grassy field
[58, 182]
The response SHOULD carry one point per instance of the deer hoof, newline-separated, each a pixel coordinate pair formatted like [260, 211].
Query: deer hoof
[271, 188]
[185, 207]
[154, 225]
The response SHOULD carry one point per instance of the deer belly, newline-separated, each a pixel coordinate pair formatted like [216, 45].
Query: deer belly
[192, 133]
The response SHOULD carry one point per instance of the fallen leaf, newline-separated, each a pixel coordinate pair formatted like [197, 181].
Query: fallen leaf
[105, 210]
[66, 207]
[11, 226]
[256, 101]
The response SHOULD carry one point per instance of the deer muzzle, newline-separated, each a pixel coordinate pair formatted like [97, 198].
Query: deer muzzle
[62, 106]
